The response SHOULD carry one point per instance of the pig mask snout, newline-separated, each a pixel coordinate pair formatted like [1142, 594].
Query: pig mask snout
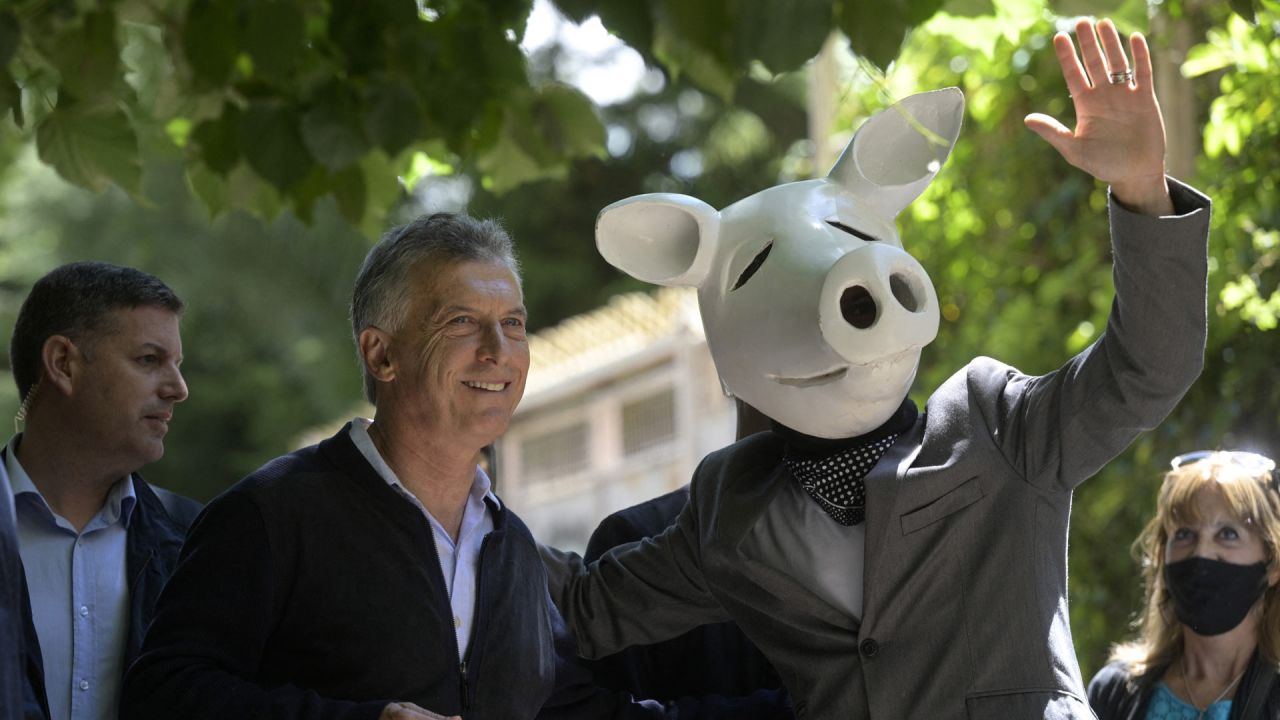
[877, 302]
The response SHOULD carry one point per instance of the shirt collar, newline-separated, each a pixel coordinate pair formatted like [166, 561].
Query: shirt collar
[119, 506]
[481, 485]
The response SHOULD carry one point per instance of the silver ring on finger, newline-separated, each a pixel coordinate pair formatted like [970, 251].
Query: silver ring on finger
[1122, 78]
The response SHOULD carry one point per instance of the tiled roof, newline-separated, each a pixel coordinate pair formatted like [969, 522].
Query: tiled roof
[627, 325]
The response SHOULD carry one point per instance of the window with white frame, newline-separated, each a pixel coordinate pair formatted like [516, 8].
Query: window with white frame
[649, 421]
[554, 454]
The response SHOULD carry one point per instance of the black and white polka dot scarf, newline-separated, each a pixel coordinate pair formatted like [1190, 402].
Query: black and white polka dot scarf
[835, 481]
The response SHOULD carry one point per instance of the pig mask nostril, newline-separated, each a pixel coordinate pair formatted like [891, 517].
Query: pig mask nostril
[858, 307]
[900, 286]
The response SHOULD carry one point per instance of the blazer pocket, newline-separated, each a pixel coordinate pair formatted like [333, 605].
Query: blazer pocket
[1026, 704]
[962, 496]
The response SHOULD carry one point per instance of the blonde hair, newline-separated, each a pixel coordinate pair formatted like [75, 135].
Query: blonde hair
[1253, 501]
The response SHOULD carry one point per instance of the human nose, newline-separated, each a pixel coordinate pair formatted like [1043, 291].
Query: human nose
[493, 344]
[174, 387]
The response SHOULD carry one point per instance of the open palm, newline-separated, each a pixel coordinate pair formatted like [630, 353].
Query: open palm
[1119, 133]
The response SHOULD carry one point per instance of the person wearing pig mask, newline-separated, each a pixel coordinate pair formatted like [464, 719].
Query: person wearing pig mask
[895, 562]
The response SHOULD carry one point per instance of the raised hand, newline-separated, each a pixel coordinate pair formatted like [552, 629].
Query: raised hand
[1119, 133]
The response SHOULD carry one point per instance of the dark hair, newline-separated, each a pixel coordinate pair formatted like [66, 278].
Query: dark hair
[74, 300]
[380, 297]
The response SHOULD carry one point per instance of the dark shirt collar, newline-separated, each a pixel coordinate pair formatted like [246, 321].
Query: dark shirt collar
[799, 445]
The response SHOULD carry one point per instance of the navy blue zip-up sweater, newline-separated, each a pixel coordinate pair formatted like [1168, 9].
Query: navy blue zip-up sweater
[312, 590]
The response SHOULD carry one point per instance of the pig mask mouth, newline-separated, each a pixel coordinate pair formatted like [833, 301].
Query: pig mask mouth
[810, 381]
[836, 374]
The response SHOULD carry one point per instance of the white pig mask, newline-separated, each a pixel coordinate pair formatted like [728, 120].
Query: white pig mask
[814, 312]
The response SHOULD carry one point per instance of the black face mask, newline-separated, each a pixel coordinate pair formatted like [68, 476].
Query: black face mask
[1211, 596]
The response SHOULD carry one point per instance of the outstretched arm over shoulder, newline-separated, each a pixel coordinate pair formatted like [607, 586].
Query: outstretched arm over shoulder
[638, 593]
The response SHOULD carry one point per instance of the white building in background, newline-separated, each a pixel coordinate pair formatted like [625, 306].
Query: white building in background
[620, 406]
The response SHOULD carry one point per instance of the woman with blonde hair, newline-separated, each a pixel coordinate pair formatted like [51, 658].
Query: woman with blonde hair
[1209, 636]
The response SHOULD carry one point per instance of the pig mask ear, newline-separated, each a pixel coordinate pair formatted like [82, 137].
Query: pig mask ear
[662, 238]
[894, 155]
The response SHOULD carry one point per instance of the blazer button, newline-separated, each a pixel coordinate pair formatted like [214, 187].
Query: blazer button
[869, 648]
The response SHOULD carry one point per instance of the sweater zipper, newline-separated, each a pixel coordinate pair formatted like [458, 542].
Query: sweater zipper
[475, 624]
[457, 646]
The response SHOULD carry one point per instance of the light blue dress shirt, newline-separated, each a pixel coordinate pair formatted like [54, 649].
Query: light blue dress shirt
[79, 595]
[459, 561]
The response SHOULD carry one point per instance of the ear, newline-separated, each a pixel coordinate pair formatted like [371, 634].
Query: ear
[894, 156]
[375, 353]
[662, 238]
[61, 361]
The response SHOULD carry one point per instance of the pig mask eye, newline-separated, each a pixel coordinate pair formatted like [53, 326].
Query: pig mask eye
[852, 231]
[751, 268]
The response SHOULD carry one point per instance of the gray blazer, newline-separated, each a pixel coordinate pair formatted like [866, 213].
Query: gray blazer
[965, 582]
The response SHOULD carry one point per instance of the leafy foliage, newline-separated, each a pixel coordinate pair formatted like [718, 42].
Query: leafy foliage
[293, 100]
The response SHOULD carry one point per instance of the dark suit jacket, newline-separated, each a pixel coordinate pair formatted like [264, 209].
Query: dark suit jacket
[964, 570]
[714, 659]
[156, 531]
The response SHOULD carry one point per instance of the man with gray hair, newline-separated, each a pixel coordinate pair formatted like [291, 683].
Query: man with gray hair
[376, 574]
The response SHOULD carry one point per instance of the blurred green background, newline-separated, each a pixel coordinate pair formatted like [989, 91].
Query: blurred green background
[252, 171]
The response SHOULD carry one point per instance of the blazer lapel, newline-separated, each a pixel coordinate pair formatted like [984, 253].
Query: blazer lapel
[883, 484]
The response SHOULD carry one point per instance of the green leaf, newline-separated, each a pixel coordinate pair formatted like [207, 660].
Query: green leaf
[218, 140]
[10, 97]
[350, 193]
[88, 58]
[567, 123]
[630, 20]
[682, 57]
[782, 35]
[1247, 9]
[211, 40]
[209, 186]
[362, 30]
[382, 189]
[1206, 58]
[10, 35]
[969, 8]
[332, 127]
[148, 69]
[91, 148]
[393, 113]
[272, 143]
[275, 38]
[875, 30]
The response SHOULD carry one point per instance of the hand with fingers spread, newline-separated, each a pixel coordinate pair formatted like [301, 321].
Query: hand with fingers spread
[1119, 133]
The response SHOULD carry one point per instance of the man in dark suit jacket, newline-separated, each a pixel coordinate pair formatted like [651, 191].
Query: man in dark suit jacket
[95, 355]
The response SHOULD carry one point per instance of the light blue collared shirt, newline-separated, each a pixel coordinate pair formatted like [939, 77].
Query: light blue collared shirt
[460, 561]
[79, 595]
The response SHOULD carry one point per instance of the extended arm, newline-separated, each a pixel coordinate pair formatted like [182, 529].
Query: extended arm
[1061, 428]
[637, 593]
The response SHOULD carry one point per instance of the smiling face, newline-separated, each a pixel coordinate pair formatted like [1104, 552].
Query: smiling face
[460, 362]
[128, 382]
